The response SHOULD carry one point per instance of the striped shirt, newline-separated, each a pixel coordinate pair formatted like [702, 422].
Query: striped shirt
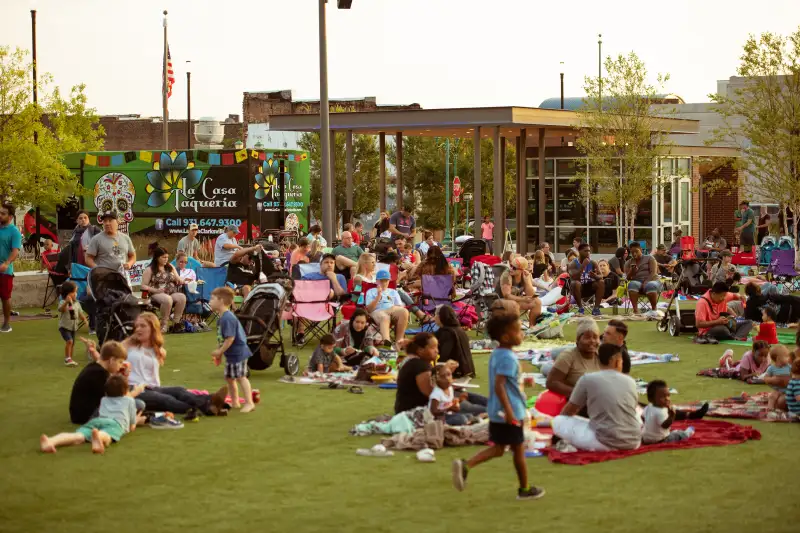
[792, 392]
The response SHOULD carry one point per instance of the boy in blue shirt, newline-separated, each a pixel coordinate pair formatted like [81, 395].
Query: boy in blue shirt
[233, 343]
[10, 245]
[506, 406]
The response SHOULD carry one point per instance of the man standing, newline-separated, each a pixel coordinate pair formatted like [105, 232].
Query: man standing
[111, 249]
[642, 271]
[747, 231]
[402, 224]
[10, 245]
[586, 279]
[347, 255]
[190, 244]
[226, 245]
[714, 321]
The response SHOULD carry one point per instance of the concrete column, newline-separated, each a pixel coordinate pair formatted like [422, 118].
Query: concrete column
[382, 172]
[334, 203]
[476, 180]
[542, 183]
[522, 197]
[499, 197]
[398, 144]
[348, 143]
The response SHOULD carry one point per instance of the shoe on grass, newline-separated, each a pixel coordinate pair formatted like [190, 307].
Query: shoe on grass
[165, 422]
[531, 493]
[192, 415]
[596, 311]
[460, 474]
[6, 328]
[93, 333]
[70, 362]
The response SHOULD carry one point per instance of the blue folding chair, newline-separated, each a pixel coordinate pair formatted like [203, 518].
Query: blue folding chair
[79, 275]
[211, 278]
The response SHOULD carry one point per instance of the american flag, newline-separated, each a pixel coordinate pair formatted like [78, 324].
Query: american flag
[170, 74]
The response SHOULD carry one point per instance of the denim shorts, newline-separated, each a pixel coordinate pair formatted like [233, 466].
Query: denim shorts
[649, 287]
[66, 334]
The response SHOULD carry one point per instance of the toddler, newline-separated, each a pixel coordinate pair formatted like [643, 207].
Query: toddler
[323, 359]
[793, 390]
[659, 415]
[117, 416]
[69, 319]
[768, 330]
[777, 372]
[233, 344]
[507, 409]
[442, 399]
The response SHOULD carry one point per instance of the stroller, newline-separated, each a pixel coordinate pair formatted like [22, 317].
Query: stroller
[691, 281]
[116, 307]
[472, 248]
[260, 316]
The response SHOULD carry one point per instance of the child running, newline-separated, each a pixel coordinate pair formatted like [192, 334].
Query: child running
[116, 417]
[233, 344]
[69, 319]
[659, 415]
[507, 412]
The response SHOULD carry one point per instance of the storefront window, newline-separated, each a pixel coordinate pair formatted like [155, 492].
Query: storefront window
[533, 203]
[667, 166]
[566, 168]
[644, 235]
[603, 241]
[566, 235]
[571, 205]
[684, 167]
[532, 168]
[684, 201]
[667, 201]
[533, 238]
[644, 215]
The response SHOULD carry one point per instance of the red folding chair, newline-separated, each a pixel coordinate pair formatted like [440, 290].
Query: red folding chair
[687, 248]
[54, 278]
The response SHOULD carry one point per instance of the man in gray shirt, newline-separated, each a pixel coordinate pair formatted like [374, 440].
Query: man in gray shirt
[190, 244]
[111, 249]
[610, 398]
[642, 273]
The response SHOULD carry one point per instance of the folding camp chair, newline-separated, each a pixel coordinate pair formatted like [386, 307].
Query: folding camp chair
[781, 269]
[310, 307]
[301, 269]
[208, 279]
[435, 291]
[54, 278]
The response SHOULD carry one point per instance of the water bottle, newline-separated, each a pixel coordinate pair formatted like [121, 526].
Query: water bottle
[269, 238]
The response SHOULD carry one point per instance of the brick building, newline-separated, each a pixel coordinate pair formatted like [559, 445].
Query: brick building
[134, 132]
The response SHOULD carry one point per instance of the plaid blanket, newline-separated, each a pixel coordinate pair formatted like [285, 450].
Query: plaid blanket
[745, 406]
[727, 373]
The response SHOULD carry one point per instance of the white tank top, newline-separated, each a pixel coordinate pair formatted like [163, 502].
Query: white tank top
[144, 367]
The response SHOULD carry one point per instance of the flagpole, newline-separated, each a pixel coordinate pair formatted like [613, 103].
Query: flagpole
[164, 88]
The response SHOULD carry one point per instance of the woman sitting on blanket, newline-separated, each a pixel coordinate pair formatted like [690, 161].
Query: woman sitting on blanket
[753, 364]
[356, 339]
[571, 364]
[146, 355]
[453, 342]
[415, 382]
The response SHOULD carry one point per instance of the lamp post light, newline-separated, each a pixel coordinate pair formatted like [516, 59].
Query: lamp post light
[468, 199]
[328, 216]
[188, 106]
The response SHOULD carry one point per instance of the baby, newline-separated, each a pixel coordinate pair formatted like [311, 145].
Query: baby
[776, 376]
[659, 415]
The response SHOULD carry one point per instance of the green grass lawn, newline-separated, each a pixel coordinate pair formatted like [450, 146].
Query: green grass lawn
[291, 465]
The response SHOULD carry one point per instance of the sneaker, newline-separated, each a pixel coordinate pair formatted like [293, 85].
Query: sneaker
[595, 312]
[165, 422]
[701, 339]
[6, 329]
[564, 447]
[459, 474]
[726, 359]
[70, 362]
[581, 311]
[689, 432]
[712, 340]
[14, 313]
[300, 338]
[531, 493]
[192, 415]
[93, 333]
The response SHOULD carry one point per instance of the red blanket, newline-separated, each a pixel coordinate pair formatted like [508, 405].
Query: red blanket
[707, 433]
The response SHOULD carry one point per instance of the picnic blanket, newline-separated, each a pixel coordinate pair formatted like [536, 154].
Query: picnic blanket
[728, 373]
[547, 354]
[405, 422]
[436, 435]
[342, 378]
[744, 406]
[541, 380]
[707, 433]
[783, 338]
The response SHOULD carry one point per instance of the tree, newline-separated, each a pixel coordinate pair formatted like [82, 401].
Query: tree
[762, 118]
[365, 172]
[424, 175]
[618, 125]
[35, 174]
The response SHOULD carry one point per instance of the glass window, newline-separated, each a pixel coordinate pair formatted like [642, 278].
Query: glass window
[666, 235]
[666, 195]
[566, 235]
[533, 203]
[565, 168]
[533, 238]
[603, 214]
[666, 166]
[571, 206]
[684, 166]
[644, 215]
[644, 235]
[533, 168]
[685, 211]
[603, 241]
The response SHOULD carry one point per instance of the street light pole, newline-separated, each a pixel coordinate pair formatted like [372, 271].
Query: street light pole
[562, 85]
[325, 129]
[447, 192]
[188, 107]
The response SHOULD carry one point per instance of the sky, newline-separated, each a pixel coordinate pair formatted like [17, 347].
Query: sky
[438, 53]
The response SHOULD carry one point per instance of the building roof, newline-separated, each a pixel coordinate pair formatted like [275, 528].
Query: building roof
[573, 103]
[459, 122]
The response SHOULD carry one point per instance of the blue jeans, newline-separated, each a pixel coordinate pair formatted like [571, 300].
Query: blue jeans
[649, 287]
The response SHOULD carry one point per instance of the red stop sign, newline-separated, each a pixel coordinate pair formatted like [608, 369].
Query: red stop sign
[456, 185]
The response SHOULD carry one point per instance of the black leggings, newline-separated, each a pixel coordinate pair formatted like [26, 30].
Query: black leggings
[173, 399]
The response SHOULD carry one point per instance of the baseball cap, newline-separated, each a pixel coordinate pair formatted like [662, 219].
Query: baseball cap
[111, 213]
[383, 274]
[193, 226]
[232, 227]
[661, 247]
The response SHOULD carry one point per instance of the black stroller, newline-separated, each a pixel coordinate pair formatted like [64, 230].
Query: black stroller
[692, 281]
[116, 307]
[472, 248]
[260, 316]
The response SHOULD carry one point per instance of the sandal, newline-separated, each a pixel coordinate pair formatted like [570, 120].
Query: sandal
[355, 389]
[332, 386]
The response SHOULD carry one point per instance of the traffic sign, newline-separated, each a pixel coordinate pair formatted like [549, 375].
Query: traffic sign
[456, 186]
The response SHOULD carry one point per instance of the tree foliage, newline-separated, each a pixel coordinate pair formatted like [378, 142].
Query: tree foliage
[34, 174]
[618, 124]
[365, 172]
[762, 118]
[424, 160]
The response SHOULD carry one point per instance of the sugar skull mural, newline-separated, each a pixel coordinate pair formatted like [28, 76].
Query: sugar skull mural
[115, 191]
